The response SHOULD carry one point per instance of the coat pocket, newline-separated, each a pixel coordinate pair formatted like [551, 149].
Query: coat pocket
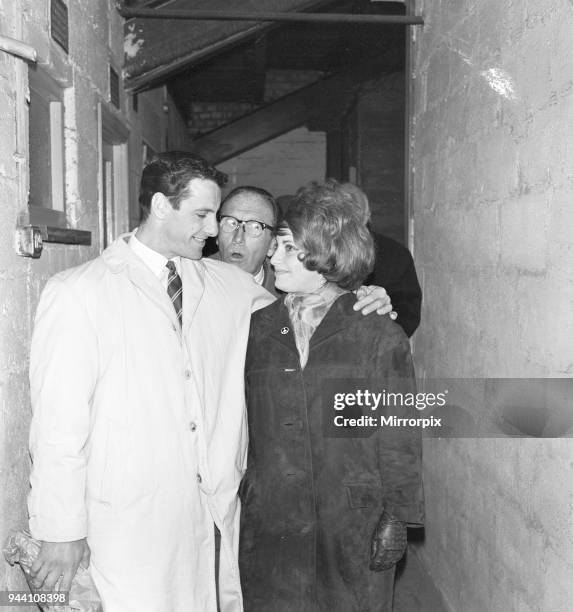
[112, 471]
[362, 495]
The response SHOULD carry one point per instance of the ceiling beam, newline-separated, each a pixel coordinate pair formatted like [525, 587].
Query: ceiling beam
[161, 48]
[198, 15]
[122, 4]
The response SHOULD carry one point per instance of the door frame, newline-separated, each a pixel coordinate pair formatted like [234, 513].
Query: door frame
[113, 132]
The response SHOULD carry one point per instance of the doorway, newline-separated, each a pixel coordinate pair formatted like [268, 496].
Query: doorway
[114, 191]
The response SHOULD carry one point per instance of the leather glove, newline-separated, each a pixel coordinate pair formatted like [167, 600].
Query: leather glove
[388, 544]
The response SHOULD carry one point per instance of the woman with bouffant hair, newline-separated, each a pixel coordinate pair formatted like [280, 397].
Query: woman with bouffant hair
[325, 502]
[333, 240]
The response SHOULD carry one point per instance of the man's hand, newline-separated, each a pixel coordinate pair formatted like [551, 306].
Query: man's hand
[373, 298]
[59, 559]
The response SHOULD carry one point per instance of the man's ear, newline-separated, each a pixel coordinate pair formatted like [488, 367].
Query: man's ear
[272, 247]
[160, 205]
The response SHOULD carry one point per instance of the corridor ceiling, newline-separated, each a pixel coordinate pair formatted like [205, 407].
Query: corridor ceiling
[229, 61]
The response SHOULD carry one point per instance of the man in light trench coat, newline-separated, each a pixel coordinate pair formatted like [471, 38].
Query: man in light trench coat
[138, 437]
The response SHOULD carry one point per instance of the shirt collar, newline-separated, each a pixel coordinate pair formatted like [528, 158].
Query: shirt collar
[152, 259]
[260, 276]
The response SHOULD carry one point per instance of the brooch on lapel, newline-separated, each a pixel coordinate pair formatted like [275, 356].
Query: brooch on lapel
[284, 330]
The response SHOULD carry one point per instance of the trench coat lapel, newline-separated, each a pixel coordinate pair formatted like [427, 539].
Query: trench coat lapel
[279, 325]
[193, 279]
[334, 321]
[120, 258]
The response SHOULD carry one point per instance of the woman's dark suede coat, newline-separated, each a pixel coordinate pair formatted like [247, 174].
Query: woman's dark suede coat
[311, 502]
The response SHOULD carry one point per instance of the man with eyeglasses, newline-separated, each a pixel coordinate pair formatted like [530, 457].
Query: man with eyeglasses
[247, 221]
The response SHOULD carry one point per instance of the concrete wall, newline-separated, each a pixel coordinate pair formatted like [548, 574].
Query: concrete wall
[281, 165]
[96, 37]
[373, 142]
[492, 201]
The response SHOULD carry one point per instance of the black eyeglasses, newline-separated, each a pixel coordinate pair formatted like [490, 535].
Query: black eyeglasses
[251, 227]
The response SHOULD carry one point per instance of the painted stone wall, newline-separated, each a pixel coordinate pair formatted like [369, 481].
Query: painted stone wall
[96, 39]
[492, 201]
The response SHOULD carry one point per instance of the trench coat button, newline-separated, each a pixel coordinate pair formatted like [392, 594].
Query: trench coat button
[174, 327]
[187, 374]
[192, 426]
[199, 479]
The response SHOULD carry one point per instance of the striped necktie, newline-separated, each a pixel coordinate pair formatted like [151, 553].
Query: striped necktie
[175, 290]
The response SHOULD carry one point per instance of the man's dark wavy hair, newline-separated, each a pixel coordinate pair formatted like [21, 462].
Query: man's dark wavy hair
[331, 234]
[169, 173]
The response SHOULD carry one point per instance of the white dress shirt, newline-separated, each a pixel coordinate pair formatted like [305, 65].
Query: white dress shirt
[259, 276]
[155, 261]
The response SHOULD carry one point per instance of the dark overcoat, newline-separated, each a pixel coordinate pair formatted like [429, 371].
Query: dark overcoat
[311, 501]
[394, 270]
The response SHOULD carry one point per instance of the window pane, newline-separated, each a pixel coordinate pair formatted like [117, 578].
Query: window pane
[40, 152]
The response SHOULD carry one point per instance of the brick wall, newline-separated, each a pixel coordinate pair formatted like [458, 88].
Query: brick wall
[279, 83]
[371, 138]
[379, 152]
[493, 208]
[206, 116]
[281, 165]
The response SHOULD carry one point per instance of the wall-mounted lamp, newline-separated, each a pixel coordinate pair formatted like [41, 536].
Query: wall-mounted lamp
[28, 241]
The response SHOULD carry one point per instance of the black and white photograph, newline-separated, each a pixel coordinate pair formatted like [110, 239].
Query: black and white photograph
[287, 305]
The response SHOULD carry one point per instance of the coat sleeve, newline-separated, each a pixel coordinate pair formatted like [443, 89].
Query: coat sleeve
[395, 271]
[406, 296]
[63, 373]
[399, 448]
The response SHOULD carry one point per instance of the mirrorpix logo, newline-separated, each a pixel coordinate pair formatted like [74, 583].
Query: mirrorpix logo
[355, 408]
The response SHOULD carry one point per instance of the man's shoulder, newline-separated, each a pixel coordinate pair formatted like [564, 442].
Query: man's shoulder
[236, 282]
[92, 272]
[80, 276]
[390, 246]
[216, 268]
[393, 262]
[74, 289]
